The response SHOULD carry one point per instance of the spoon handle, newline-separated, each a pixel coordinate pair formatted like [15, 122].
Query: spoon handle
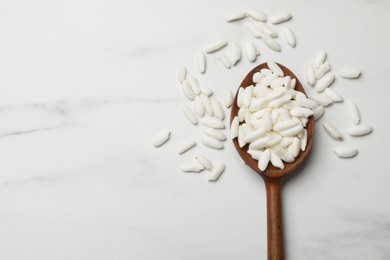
[274, 219]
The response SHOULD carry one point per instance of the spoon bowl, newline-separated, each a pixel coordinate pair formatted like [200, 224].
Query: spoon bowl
[273, 176]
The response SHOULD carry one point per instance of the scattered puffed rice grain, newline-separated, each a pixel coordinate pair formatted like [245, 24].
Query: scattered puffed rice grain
[207, 105]
[218, 170]
[211, 142]
[280, 17]
[235, 16]
[198, 106]
[214, 133]
[217, 109]
[228, 98]
[333, 95]
[320, 58]
[189, 114]
[266, 29]
[201, 62]
[191, 167]
[271, 43]
[325, 82]
[184, 147]
[235, 53]
[289, 36]
[345, 152]
[215, 46]
[322, 70]
[333, 131]
[310, 75]
[254, 30]
[194, 84]
[203, 161]
[182, 74]
[205, 90]
[225, 61]
[212, 122]
[234, 127]
[349, 73]
[187, 90]
[256, 14]
[250, 51]
[353, 111]
[360, 130]
[161, 138]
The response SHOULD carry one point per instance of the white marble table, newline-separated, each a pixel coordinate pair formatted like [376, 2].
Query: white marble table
[85, 85]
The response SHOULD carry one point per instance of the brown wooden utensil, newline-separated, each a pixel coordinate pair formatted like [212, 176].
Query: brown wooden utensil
[272, 176]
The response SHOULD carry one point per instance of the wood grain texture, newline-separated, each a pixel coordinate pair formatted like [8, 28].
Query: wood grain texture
[272, 176]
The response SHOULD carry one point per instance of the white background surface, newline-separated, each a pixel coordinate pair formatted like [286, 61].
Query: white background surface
[84, 87]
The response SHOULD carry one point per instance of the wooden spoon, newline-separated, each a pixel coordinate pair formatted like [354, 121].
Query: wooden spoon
[272, 176]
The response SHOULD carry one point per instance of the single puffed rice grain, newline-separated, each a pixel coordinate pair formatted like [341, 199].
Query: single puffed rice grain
[198, 106]
[201, 62]
[256, 14]
[360, 130]
[217, 171]
[349, 73]
[212, 122]
[325, 82]
[236, 16]
[289, 36]
[185, 146]
[345, 152]
[211, 142]
[333, 131]
[192, 167]
[214, 133]
[187, 90]
[215, 46]
[280, 17]
[333, 95]
[203, 161]
[190, 115]
[235, 53]
[228, 98]
[353, 111]
[161, 138]
[217, 109]
[182, 74]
